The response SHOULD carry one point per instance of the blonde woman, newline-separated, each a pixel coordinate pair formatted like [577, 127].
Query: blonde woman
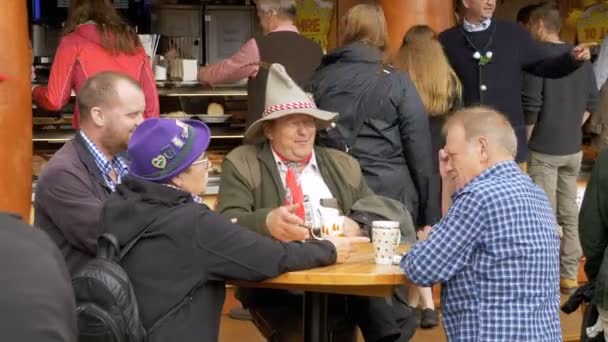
[422, 57]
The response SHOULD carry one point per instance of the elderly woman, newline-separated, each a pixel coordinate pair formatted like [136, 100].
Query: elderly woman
[284, 183]
[180, 263]
[277, 19]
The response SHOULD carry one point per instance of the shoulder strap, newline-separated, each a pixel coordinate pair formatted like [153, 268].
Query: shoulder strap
[375, 92]
[128, 246]
[131, 243]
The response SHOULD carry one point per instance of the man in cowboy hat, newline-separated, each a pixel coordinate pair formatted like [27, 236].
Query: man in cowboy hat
[185, 251]
[282, 185]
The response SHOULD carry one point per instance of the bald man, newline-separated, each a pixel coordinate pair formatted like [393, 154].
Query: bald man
[496, 251]
[83, 173]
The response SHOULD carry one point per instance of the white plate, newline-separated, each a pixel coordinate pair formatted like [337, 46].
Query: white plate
[214, 118]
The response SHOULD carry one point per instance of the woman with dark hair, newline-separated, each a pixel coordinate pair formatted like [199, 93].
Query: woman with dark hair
[95, 39]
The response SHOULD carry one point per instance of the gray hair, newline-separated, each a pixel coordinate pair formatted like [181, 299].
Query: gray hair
[485, 122]
[286, 8]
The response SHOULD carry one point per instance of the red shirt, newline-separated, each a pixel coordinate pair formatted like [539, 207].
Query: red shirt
[241, 65]
[81, 55]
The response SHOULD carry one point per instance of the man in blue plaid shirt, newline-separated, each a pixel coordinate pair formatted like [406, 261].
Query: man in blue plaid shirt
[496, 251]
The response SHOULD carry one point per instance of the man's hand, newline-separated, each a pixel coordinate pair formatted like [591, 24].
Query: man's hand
[581, 52]
[284, 225]
[351, 228]
[423, 233]
[345, 246]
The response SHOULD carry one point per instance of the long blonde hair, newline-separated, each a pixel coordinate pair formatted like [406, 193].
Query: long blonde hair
[365, 23]
[422, 57]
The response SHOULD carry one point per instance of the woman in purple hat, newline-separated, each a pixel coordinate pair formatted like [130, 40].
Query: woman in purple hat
[187, 248]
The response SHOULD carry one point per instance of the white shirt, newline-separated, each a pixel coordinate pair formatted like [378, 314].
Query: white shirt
[314, 187]
[476, 28]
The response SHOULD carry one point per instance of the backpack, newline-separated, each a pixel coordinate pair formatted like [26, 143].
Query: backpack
[106, 305]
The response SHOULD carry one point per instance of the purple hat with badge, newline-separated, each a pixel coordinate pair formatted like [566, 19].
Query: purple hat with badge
[161, 149]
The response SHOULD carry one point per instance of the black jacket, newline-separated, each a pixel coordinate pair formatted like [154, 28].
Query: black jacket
[37, 297]
[394, 143]
[187, 244]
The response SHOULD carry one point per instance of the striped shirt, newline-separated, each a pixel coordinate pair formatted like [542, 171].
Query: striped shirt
[105, 165]
[496, 254]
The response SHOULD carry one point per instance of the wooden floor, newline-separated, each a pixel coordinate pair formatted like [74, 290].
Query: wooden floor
[233, 330]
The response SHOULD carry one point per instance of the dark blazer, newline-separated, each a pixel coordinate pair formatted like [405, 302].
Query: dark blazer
[69, 196]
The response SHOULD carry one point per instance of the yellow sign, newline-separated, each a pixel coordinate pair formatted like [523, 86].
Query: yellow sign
[314, 19]
[592, 25]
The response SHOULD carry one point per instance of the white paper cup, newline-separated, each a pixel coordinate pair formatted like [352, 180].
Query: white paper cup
[160, 73]
[385, 237]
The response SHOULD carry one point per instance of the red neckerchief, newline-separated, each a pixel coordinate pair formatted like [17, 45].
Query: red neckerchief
[294, 193]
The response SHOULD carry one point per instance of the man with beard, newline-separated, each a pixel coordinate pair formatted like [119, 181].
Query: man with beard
[80, 176]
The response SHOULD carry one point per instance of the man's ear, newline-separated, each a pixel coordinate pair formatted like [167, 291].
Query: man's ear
[465, 4]
[176, 181]
[98, 117]
[267, 129]
[484, 149]
[541, 29]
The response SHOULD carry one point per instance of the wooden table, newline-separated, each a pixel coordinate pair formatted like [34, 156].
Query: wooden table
[360, 277]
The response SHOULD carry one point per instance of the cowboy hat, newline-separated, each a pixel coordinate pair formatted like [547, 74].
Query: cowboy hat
[284, 97]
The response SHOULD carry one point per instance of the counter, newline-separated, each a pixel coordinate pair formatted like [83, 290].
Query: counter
[60, 136]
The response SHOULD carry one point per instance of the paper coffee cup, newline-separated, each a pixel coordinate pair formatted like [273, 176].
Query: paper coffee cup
[386, 236]
[160, 73]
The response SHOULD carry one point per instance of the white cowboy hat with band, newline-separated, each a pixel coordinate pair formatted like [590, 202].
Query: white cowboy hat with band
[284, 97]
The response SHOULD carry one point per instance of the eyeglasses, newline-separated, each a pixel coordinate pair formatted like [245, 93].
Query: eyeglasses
[205, 162]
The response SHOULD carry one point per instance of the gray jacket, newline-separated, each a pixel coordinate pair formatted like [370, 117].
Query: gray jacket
[70, 194]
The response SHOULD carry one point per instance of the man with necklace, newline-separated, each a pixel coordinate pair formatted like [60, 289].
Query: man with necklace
[490, 57]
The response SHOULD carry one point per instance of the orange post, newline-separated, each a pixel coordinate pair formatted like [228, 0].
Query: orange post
[402, 14]
[15, 110]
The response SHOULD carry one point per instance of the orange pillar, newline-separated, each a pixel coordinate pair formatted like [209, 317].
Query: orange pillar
[402, 14]
[15, 110]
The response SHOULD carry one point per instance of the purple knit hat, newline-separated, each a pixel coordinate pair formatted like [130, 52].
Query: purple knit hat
[161, 149]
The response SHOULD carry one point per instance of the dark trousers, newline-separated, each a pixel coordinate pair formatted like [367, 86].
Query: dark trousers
[380, 319]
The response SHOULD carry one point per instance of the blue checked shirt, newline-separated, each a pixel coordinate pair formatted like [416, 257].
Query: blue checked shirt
[496, 254]
[105, 166]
